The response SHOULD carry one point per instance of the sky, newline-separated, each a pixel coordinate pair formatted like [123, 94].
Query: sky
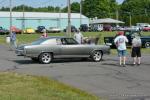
[41, 3]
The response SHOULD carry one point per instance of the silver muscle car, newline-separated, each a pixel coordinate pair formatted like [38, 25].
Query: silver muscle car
[45, 50]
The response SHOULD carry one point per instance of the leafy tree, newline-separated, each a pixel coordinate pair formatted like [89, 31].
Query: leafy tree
[99, 8]
[75, 8]
[139, 10]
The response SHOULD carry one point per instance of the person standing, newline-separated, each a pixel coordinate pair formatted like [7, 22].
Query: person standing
[136, 49]
[78, 37]
[13, 44]
[44, 35]
[120, 42]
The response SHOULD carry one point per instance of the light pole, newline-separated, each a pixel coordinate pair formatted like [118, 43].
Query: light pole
[10, 4]
[130, 19]
[60, 16]
[81, 11]
[23, 18]
[69, 16]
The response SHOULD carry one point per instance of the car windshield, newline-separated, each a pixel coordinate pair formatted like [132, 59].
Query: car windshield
[39, 41]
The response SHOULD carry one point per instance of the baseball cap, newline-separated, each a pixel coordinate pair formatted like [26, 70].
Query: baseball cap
[120, 33]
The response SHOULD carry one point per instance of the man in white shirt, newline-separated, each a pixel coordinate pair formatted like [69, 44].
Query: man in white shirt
[120, 42]
[78, 37]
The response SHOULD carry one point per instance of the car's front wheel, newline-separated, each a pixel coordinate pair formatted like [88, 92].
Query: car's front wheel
[45, 58]
[97, 56]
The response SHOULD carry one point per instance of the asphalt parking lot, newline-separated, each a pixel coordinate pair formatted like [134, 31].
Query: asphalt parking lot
[104, 79]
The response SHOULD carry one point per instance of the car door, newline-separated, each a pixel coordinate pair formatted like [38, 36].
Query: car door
[70, 48]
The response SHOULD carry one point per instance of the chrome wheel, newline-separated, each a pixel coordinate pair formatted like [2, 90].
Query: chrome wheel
[147, 45]
[97, 56]
[45, 58]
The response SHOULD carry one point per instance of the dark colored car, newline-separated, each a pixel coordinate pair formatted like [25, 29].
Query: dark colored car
[129, 34]
[40, 29]
[107, 28]
[73, 29]
[84, 27]
[3, 31]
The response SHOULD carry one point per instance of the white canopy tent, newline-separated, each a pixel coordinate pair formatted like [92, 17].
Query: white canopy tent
[106, 21]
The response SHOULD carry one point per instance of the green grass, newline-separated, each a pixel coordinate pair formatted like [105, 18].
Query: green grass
[15, 86]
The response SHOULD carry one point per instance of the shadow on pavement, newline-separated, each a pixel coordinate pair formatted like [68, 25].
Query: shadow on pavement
[25, 62]
[71, 60]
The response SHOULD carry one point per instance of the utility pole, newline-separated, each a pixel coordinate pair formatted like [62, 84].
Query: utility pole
[80, 12]
[117, 16]
[60, 16]
[81, 1]
[130, 19]
[10, 4]
[69, 16]
[23, 19]
[145, 11]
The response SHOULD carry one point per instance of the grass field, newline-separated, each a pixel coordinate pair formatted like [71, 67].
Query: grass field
[14, 86]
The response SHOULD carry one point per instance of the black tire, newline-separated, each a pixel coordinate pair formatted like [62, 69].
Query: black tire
[97, 56]
[147, 44]
[45, 58]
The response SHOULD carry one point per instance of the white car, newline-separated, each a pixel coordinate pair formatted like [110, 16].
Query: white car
[54, 30]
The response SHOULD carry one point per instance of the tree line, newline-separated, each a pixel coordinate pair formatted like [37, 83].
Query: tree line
[130, 11]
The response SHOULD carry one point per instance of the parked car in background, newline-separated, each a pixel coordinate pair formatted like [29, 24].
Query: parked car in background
[3, 31]
[45, 50]
[16, 30]
[129, 34]
[133, 28]
[40, 29]
[107, 28]
[29, 30]
[146, 28]
[84, 27]
[142, 25]
[96, 27]
[73, 29]
[54, 30]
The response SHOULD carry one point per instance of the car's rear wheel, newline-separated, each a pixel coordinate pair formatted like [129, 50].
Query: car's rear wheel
[45, 58]
[147, 45]
[97, 56]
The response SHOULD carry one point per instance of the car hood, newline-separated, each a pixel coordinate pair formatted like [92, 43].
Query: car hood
[21, 47]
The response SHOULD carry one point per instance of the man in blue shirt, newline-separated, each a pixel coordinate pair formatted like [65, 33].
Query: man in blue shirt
[13, 40]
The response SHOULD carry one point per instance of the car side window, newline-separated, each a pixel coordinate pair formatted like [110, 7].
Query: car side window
[63, 41]
[68, 41]
[71, 41]
[58, 41]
